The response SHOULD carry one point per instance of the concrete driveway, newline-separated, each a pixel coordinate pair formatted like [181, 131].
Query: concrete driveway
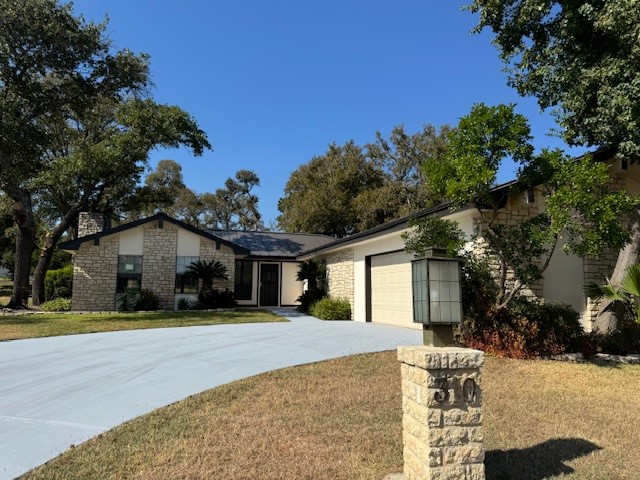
[59, 391]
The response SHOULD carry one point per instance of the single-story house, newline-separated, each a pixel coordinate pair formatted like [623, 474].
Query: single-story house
[153, 253]
[370, 268]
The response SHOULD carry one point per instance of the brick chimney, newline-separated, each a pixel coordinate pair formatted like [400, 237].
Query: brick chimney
[91, 222]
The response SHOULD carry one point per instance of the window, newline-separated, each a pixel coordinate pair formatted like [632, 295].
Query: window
[185, 283]
[243, 279]
[129, 273]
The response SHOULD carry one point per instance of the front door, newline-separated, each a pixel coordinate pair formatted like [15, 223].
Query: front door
[269, 284]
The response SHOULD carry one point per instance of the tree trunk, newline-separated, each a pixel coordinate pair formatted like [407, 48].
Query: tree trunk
[25, 244]
[48, 248]
[628, 256]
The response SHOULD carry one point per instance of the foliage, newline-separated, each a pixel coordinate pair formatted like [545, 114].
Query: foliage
[308, 298]
[624, 340]
[185, 304]
[138, 301]
[579, 203]
[207, 272]
[626, 295]
[433, 232]
[579, 58]
[59, 304]
[213, 298]
[525, 330]
[313, 271]
[59, 283]
[331, 309]
[352, 188]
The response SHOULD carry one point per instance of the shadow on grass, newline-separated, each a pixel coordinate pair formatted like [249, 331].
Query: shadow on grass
[22, 320]
[538, 462]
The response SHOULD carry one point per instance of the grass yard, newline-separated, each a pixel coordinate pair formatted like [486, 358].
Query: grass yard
[341, 419]
[51, 324]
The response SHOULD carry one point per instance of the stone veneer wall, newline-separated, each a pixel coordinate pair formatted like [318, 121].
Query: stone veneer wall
[516, 211]
[340, 276]
[599, 269]
[160, 246]
[95, 269]
[225, 256]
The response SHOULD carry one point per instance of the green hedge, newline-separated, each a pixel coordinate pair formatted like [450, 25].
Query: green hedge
[58, 283]
[331, 309]
[57, 305]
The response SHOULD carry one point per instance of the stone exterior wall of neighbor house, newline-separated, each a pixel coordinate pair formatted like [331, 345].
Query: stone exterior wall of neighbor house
[223, 255]
[340, 276]
[90, 223]
[95, 270]
[159, 263]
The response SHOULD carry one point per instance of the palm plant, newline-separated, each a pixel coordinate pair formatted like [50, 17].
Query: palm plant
[207, 272]
[312, 271]
[625, 296]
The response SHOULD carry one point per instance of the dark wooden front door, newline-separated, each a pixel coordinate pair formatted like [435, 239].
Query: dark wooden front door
[269, 284]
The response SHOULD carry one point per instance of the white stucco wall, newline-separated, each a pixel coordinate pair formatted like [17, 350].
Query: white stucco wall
[291, 288]
[563, 281]
[188, 243]
[131, 241]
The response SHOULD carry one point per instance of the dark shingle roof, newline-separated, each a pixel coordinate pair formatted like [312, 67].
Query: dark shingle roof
[273, 244]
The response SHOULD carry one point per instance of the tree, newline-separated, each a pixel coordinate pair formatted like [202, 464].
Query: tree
[624, 297]
[579, 204]
[319, 196]
[580, 59]
[50, 62]
[103, 154]
[313, 271]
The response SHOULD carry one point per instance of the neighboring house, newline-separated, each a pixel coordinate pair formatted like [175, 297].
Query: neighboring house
[153, 254]
[373, 272]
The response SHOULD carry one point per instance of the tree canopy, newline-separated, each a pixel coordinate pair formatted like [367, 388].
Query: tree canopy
[580, 58]
[352, 188]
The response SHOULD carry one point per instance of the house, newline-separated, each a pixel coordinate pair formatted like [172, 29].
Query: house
[372, 270]
[153, 253]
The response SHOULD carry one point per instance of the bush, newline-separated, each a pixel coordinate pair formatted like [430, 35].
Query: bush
[308, 298]
[525, 330]
[58, 283]
[331, 309]
[57, 305]
[185, 304]
[213, 299]
[623, 341]
[136, 300]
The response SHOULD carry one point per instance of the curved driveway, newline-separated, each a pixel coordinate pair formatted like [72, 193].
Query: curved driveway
[60, 391]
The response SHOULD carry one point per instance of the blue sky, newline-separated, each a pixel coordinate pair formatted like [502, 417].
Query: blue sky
[274, 82]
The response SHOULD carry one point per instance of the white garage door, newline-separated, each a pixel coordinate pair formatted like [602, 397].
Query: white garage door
[391, 300]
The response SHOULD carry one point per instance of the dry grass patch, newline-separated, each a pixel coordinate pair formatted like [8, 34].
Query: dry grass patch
[52, 324]
[342, 420]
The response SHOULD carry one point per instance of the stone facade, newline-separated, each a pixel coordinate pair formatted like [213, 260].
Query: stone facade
[442, 413]
[340, 276]
[159, 263]
[95, 270]
[224, 254]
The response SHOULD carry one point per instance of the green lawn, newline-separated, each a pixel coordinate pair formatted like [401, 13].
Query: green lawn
[52, 324]
[342, 420]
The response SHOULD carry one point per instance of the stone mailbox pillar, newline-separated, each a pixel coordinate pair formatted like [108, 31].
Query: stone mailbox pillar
[442, 413]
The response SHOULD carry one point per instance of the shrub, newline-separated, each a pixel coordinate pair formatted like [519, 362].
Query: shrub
[185, 304]
[136, 300]
[623, 341]
[331, 309]
[525, 330]
[58, 283]
[211, 299]
[308, 298]
[57, 305]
